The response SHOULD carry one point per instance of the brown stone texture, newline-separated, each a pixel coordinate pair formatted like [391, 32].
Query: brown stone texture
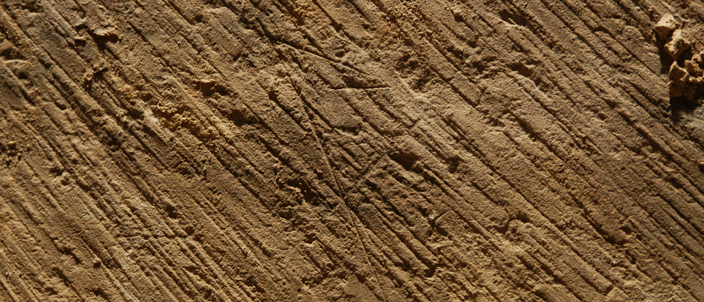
[351, 150]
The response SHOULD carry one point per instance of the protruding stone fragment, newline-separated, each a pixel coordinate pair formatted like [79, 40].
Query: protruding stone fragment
[106, 32]
[678, 79]
[677, 45]
[693, 68]
[678, 73]
[682, 83]
[666, 25]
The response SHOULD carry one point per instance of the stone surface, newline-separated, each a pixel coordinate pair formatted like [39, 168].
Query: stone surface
[349, 150]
